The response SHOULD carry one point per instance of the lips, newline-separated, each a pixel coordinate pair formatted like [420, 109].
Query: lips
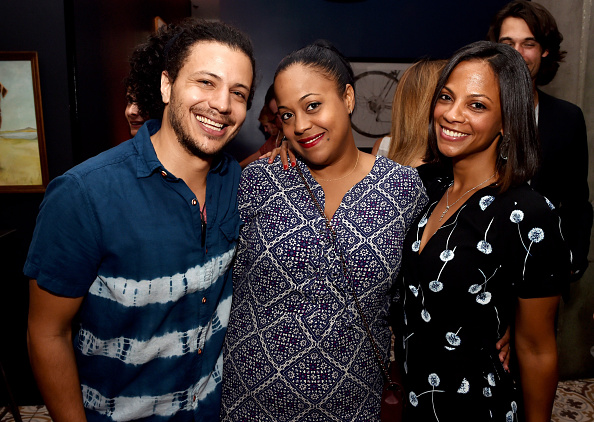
[452, 134]
[209, 124]
[311, 140]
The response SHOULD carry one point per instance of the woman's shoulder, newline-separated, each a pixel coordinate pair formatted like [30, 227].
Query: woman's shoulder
[396, 180]
[385, 168]
[523, 196]
[384, 165]
[262, 168]
[533, 241]
[521, 205]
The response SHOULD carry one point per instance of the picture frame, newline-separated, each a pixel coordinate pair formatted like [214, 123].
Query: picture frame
[23, 158]
[375, 84]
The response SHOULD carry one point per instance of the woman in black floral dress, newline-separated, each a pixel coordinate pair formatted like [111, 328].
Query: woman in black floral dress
[486, 253]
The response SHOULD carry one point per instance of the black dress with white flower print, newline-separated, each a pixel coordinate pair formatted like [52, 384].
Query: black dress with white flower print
[458, 296]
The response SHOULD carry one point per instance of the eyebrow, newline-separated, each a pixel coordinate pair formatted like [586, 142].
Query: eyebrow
[471, 95]
[300, 99]
[511, 39]
[217, 77]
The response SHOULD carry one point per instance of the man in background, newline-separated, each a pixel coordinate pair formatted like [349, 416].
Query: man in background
[137, 243]
[563, 173]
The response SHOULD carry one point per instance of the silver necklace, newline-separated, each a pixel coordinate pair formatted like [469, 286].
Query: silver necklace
[448, 205]
[341, 177]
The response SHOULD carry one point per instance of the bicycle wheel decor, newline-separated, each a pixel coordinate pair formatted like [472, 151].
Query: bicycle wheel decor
[375, 84]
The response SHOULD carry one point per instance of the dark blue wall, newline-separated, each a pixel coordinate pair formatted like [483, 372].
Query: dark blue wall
[104, 32]
[30, 25]
[376, 29]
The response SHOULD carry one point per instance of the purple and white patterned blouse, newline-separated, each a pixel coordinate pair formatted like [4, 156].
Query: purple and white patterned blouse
[296, 348]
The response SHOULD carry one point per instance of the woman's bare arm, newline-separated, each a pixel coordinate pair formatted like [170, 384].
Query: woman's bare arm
[536, 347]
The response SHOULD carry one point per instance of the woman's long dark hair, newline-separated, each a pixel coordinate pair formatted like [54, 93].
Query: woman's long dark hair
[520, 141]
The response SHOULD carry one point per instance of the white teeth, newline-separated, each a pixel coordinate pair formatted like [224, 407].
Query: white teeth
[452, 133]
[214, 125]
[313, 140]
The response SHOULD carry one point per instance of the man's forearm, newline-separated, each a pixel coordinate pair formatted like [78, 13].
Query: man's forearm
[54, 367]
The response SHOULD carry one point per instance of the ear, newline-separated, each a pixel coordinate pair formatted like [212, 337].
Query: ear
[349, 98]
[165, 87]
[545, 53]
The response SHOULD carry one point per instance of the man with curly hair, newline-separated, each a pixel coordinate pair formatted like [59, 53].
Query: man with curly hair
[563, 174]
[135, 245]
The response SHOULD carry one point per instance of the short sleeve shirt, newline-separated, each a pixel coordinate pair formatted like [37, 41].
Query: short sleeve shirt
[124, 232]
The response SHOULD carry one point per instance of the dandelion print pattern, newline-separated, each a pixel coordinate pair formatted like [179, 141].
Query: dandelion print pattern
[422, 223]
[484, 297]
[453, 338]
[447, 255]
[466, 282]
[486, 201]
[434, 381]
[536, 235]
[484, 246]
[464, 387]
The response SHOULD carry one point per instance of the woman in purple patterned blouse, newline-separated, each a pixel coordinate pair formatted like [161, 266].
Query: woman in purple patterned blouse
[296, 348]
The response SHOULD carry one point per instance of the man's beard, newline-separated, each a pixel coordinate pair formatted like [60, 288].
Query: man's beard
[184, 138]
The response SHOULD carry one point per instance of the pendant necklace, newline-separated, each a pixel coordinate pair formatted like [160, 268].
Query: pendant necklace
[341, 177]
[448, 205]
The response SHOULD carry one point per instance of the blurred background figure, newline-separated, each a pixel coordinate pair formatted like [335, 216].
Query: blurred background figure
[133, 115]
[272, 126]
[562, 177]
[407, 143]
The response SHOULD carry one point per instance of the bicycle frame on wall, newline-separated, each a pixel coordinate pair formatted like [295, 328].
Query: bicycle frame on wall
[375, 84]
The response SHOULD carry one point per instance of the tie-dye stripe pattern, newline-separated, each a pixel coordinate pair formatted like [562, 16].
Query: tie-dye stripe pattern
[163, 289]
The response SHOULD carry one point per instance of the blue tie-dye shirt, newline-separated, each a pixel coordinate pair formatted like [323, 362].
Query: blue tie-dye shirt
[122, 230]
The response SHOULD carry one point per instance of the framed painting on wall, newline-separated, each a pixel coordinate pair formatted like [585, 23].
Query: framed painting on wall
[375, 84]
[23, 160]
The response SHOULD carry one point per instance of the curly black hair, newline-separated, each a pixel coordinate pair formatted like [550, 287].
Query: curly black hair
[544, 28]
[168, 49]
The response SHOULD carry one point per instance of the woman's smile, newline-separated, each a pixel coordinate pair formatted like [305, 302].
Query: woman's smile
[311, 141]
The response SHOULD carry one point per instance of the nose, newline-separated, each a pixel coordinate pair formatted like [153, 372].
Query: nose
[302, 124]
[454, 113]
[519, 49]
[221, 101]
[132, 110]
